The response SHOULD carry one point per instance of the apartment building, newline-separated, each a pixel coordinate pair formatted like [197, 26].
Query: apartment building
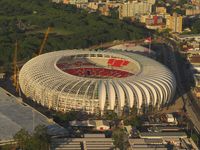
[175, 23]
[134, 8]
[74, 2]
[189, 12]
[161, 10]
[57, 1]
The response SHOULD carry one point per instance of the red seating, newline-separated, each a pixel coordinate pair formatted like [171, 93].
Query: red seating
[97, 72]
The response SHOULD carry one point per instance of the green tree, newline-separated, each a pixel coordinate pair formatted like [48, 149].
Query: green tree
[133, 121]
[182, 2]
[8, 147]
[114, 13]
[110, 115]
[22, 137]
[120, 138]
[27, 20]
[38, 140]
[196, 27]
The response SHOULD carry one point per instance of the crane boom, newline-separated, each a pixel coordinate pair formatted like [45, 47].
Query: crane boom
[16, 69]
[44, 41]
[15, 58]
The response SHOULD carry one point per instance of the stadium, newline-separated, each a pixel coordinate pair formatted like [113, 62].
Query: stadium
[97, 81]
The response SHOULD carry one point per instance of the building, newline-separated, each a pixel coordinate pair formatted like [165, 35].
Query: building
[16, 115]
[57, 1]
[163, 135]
[74, 2]
[175, 23]
[190, 43]
[151, 1]
[154, 22]
[132, 47]
[188, 37]
[2, 76]
[192, 12]
[162, 141]
[89, 142]
[134, 8]
[93, 5]
[104, 10]
[196, 2]
[171, 119]
[161, 10]
[95, 81]
[99, 125]
[152, 19]
[194, 63]
[138, 144]
[197, 92]
[66, 1]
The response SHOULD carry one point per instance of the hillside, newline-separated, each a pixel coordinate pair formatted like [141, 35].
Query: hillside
[27, 20]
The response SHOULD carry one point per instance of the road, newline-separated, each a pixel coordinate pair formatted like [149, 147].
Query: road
[190, 105]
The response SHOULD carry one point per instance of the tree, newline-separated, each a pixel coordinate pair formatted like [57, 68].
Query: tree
[8, 147]
[22, 137]
[38, 140]
[120, 138]
[179, 11]
[196, 27]
[182, 2]
[134, 121]
[110, 115]
[41, 138]
[73, 28]
[114, 13]
[134, 111]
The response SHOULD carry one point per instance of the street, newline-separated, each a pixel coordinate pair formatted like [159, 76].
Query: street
[191, 107]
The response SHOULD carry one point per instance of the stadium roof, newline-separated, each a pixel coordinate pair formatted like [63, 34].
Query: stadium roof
[96, 81]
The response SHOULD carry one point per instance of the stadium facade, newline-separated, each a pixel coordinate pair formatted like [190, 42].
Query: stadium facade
[96, 81]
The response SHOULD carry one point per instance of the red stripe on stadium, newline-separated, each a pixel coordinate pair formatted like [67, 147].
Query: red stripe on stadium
[117, 62]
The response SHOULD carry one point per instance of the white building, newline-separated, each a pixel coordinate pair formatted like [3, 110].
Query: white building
[2, 76]
[170, 118]
[57, 1]
[100, 125]
[131, 9]
[95, 81]
[151, 1]
[78, 1]
[189, 37]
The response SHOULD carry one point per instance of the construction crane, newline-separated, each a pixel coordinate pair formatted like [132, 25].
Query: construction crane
[44, 40]
[16, 68]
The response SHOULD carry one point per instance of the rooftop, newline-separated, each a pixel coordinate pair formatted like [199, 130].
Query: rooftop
[195, 59]
[197, 89]
[89, 123]
[169, 116]
[145, 141]
[132, 47]
[15, 115]
[163, 135]
[188, 35]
